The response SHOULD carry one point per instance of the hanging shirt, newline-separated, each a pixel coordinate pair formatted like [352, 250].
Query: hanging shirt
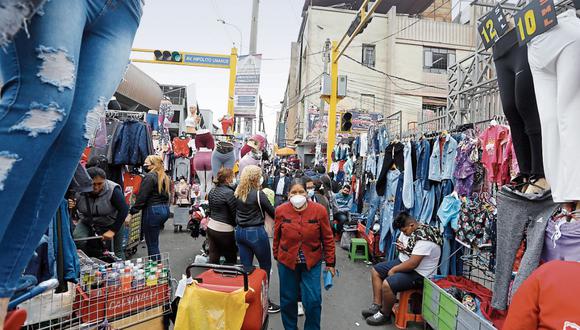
[491, 140]
[181, 147]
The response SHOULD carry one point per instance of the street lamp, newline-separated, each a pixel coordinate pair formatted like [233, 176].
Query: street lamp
[235, 27]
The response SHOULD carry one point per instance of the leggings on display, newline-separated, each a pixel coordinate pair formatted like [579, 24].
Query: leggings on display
[219, 160]
[58, 76]
[516, 89]
[554, 64]
[205, 182]
[515, 212]
[204, 140]
[202, 165]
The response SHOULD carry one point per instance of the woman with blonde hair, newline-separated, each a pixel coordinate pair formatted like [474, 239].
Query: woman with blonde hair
[251, 237]
[153, 199]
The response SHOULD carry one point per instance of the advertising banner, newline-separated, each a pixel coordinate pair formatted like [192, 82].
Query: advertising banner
[247, 84]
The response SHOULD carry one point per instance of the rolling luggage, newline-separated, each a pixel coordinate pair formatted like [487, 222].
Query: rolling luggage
[231, 278]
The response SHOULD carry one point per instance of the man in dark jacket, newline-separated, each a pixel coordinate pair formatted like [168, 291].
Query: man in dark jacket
[281, 187]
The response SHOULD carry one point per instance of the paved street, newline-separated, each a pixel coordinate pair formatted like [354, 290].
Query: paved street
[341, 306]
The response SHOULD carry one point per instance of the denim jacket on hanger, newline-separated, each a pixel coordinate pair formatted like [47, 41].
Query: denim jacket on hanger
[441, 164]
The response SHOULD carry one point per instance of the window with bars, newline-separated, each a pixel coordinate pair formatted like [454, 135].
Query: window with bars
[437, 60]
[368, 55]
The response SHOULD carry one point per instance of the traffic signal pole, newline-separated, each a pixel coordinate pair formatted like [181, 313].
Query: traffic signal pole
[331, 129]
[336, 53]
[233, 68]
[219, 61]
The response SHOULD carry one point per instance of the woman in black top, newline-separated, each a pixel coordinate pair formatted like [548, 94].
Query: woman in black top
[222, 210]
[251, 235]
[153, 199]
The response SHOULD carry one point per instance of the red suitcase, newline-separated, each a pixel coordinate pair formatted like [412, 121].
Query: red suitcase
[231, 278]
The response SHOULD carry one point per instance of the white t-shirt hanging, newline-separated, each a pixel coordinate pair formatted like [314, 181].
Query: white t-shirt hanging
[431, 251]
[363, 144]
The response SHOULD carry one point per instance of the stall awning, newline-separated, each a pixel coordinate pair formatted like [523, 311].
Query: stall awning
[140, 89]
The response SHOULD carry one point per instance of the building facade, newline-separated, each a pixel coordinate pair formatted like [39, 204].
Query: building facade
[399, 63]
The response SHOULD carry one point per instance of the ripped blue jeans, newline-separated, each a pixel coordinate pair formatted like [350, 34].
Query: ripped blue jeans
[58, 77]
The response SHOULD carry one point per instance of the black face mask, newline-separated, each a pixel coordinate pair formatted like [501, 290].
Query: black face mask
[146, 169]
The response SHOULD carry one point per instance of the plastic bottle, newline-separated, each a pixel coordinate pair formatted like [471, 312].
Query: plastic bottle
[152, 280]
[126, 279]
[139, 279]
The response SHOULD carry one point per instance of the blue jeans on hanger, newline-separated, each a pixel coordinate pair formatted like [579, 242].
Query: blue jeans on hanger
[419, 195]
[375, 202]
[428, 204]
[57, 84]
[388, 208]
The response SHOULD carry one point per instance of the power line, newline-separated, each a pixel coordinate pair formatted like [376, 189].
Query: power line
[392, 76]
[410, 25]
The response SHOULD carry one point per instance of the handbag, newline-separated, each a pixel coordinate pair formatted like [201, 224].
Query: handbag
[268, 221]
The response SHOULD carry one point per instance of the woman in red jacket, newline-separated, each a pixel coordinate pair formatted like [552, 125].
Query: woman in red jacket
[302, 234]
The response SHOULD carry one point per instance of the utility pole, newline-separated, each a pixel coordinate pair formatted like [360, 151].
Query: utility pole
[261, 127]
[254, 31]
[254, 34]
[325, 59]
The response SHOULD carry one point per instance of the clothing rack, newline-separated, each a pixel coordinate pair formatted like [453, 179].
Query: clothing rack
[137, 115]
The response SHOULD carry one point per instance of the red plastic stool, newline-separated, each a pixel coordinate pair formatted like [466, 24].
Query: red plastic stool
[404, 309]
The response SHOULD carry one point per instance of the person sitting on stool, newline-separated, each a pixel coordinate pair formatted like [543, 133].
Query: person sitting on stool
[419, 249]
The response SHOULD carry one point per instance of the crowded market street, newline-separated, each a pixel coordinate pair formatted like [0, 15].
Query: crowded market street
[289, 164]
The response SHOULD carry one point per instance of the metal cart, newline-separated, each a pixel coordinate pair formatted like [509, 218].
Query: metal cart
[180, 218]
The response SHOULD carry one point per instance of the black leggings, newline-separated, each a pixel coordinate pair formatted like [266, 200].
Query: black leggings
[222, 244]
[516, 88]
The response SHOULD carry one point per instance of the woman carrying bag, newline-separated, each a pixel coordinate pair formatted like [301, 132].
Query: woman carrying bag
[251, 236]
[153, 199]
[302, 237]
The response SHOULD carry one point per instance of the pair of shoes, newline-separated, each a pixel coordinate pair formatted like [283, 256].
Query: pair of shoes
[379, 319]
[273, 308]
[371, 310]
[300, 309]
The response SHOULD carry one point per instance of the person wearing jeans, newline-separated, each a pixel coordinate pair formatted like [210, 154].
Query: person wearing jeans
[58, 76]
[302, 239]
[251, 206]
[153, 199]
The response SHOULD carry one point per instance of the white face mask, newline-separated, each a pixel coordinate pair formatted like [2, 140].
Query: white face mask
[261, 181]
[298, 201]
[310, 193]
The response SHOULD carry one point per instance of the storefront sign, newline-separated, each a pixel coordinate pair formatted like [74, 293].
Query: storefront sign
[247, 85]
[536, 18]
[493, 26]
[362, 121]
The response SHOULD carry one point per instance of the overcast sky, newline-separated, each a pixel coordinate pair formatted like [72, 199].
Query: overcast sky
[191, 25]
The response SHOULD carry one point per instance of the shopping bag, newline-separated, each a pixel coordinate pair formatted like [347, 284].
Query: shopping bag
[202, 309]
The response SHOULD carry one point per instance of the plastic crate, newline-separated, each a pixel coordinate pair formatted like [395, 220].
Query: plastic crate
[443, 312]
